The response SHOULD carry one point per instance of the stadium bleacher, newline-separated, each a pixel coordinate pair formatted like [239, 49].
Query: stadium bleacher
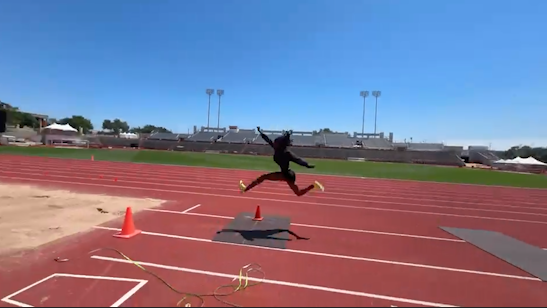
[377, 143]
[271, 134]
[164, 136]
[204, 136]
[306, 144]
[239, 136]
[303, 139]
[340, 140]
[425, 146]
[482, 155]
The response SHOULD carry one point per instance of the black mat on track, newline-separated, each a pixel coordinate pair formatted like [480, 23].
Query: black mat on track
[272, 231]
[529, 258]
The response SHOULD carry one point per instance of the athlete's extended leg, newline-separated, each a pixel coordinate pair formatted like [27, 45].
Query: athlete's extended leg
[274, 176]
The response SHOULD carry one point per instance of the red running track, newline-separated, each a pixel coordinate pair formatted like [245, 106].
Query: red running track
[373, 242]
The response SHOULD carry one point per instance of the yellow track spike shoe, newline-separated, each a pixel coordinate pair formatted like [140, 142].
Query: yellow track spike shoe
[242, 186]
[318, 185]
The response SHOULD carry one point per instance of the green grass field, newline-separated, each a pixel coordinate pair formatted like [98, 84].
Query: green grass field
[323, 166]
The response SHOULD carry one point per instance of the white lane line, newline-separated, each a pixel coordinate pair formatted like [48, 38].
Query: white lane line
[320, 227]
[329, 255]
[278, 282]
[191, 209]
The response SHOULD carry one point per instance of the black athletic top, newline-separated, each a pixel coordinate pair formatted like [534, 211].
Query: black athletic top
[282, 156]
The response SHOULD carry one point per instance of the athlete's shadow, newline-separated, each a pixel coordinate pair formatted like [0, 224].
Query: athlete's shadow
[251, 235]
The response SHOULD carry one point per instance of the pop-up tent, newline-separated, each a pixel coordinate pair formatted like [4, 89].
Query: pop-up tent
[61, 127]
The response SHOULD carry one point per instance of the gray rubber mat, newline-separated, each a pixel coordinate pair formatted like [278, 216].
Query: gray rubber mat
[272, 231]
[529, 258]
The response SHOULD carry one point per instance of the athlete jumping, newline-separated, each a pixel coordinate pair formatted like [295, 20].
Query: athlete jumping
[282, 156]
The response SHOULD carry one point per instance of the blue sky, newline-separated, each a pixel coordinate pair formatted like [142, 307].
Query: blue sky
[463, 72]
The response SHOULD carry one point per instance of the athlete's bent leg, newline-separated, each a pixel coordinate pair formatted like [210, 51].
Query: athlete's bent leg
[297, 191]
[290, 177]
[274, 176]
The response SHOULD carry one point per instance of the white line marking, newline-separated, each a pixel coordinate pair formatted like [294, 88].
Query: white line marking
[130, 293]
[120, 301]
[382, 233]
[191, 209]
[277, 282]
[270, 199]
[320, 227]
[8, 299]
[321, 254]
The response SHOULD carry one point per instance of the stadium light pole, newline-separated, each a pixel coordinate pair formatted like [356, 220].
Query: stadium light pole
[376, 94]
[364, 94]
[209, 92]
[219, 93]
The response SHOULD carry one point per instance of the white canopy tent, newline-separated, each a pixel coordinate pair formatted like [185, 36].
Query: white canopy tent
[129, 135]
[62, 127]
[521, 161]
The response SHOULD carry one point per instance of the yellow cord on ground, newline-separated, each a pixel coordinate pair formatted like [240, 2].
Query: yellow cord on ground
[242, 283]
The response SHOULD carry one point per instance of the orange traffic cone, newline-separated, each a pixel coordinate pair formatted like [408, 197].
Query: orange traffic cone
[258, 216]
[128, 229]
[92, 157]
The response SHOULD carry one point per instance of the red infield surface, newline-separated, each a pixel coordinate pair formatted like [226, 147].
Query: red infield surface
[372, 242]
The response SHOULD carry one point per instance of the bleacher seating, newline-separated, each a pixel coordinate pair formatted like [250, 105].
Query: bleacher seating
[435, 158]
[481, 156]
[423, 157]
[24, 133]
[301, 140]
[112, 141]
[51, 139]
[164, 136]
[338, 146]
[453, 148]
[376, 143]
[272, 136]
[338, 140]
[298, 138]
[425, 146]
[205, 136]
[239, 136]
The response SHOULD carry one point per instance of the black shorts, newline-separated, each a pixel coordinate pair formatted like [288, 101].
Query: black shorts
[289, 175]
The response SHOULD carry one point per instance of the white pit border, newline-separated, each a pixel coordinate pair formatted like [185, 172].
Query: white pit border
[121, 300]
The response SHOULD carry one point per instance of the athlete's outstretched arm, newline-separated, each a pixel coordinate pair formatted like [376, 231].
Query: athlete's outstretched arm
[266, 138]
[300, 161]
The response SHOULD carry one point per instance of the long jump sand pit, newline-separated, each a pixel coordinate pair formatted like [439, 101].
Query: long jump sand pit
[31, 216]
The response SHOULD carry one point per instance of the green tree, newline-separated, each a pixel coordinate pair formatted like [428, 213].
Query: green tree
[322, 131]
[78, 122]
[17, 117]
[148, 129]
[116, 126]
[120, 126]
[135, 130]
[28, 120]
[107, 125]
[13, 116]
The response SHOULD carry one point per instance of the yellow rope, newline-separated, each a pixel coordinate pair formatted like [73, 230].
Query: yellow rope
[242, 283]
